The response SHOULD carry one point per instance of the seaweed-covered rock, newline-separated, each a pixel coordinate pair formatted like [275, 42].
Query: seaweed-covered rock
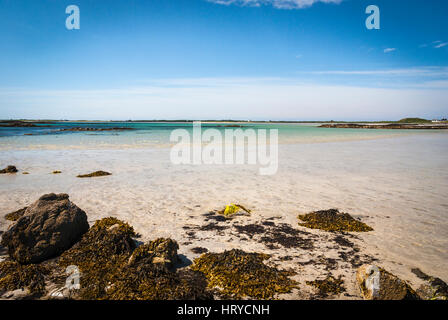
[112, 268]
[378, 284]
[163, 251]
[95, 174]
[239, 274]
[433, 289]
[47, 228]
[9, 169]
[99, 255]
[14, 216]
[332, 220]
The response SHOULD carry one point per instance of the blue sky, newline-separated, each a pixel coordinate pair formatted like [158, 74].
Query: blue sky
[241, 59]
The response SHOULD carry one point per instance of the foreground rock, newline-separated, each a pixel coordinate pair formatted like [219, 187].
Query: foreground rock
[333, 220]
[9, 169]
[377, 284]
[47, 228]
[95, 174]
[113, 268]
[433, 289]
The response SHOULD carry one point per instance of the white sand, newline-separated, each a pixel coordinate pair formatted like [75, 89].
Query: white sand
[398, 186]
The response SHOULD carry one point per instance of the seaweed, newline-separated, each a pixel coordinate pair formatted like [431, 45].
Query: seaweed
[286, 236]
[239, 274]
[113, 269]
[15, 276]
[94, 174]
[333, 220]
[250, 229]
[99, 255]
[9, 169]
[16, 215]
[328, 286]
[199, 250]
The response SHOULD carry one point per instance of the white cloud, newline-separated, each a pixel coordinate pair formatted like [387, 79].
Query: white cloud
[409, 72]
[387, 50]
[224, 98]
[280, 4]
[441, 45]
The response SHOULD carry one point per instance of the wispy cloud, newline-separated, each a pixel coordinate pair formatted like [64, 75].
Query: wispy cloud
[280, 4]
[441, 72]
[387, 50]
[255, 98]
[441, 45]
[435, 44]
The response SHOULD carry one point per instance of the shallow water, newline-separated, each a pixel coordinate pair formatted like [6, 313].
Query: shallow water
[395, 181]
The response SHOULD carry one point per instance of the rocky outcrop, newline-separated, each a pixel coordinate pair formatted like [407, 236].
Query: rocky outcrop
[9, 169]
[160, 251]
[95, 129]
[48, 227]
[376, 283]
[383, 126]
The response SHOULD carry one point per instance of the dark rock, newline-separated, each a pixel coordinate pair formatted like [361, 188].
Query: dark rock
[378, 284]
[9, 169]
[47, 228]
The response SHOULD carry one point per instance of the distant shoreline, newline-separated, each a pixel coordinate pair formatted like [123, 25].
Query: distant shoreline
[329, 124]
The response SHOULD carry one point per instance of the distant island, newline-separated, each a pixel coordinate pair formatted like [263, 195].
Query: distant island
[406, 123]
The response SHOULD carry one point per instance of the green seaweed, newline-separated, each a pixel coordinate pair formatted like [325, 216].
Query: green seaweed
[333, 220]
[231, 209]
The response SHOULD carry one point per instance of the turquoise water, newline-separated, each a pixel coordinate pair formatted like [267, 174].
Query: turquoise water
[48, 136]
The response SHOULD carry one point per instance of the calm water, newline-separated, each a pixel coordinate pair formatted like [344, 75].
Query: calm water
[157, 135]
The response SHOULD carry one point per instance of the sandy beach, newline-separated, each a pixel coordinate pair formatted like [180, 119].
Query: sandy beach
[395, 184]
